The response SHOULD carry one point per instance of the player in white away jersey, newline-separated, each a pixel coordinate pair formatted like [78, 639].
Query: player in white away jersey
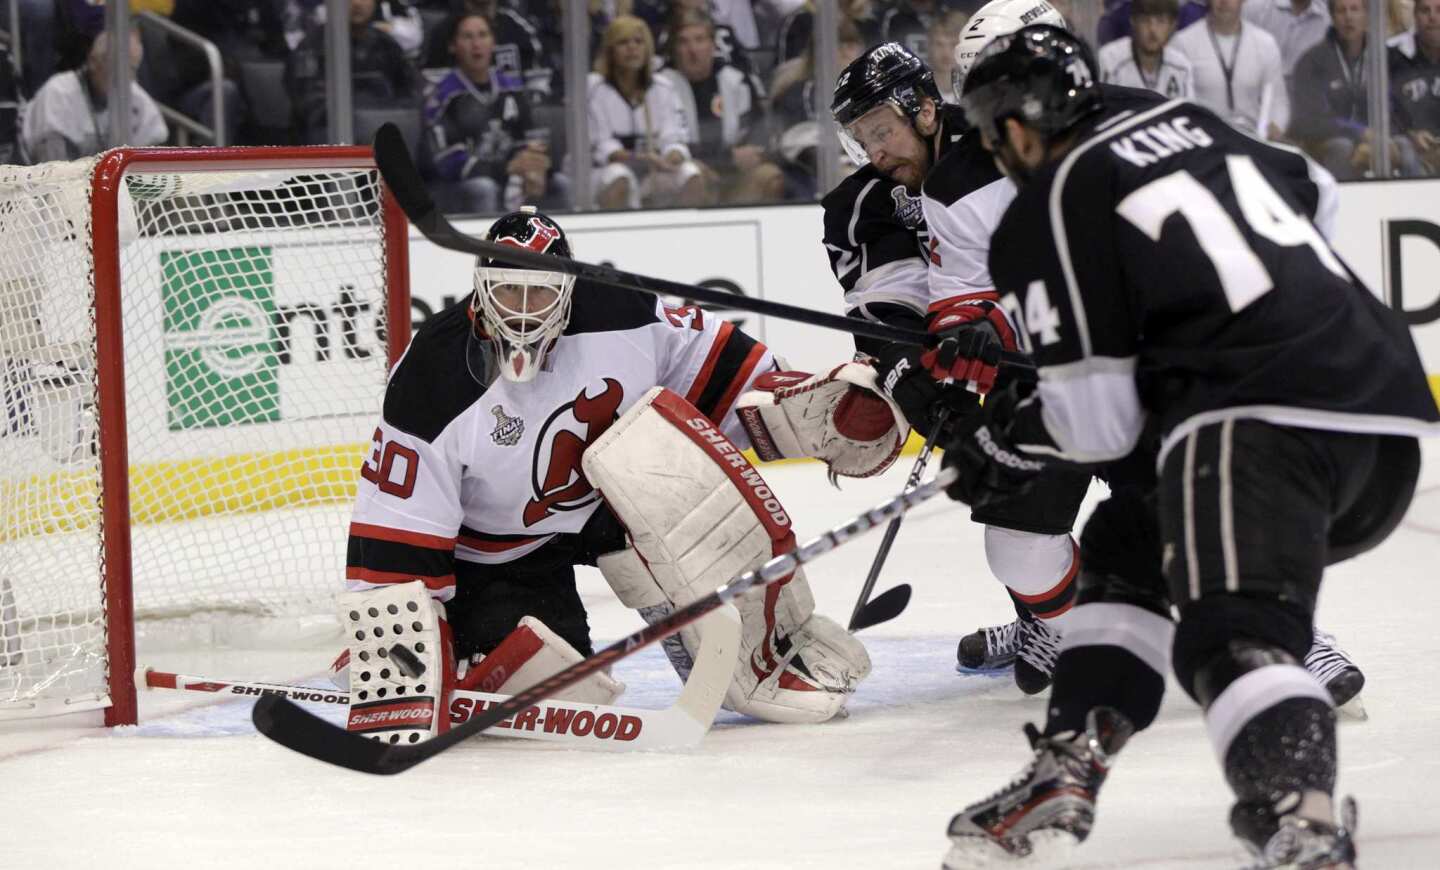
[475, 507]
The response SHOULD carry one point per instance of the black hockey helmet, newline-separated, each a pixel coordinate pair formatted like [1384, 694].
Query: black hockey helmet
[520, 312]
[887, 74]
[528, 229]
[1043, 76]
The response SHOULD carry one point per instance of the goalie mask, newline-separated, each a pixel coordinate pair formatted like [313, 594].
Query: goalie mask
[519, 313]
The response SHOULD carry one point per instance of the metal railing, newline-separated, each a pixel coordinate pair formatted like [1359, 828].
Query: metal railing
[216, 135]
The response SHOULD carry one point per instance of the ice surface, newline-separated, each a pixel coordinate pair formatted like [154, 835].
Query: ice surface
[193, 785]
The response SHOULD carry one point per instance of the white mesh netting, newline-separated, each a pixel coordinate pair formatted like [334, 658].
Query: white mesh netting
[253, 325]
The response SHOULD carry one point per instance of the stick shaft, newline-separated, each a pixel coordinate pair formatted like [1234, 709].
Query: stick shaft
[883, 552]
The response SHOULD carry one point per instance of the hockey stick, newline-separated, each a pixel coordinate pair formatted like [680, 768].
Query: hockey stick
[286, 723]
[579, 725]
[891, 603]
[392, 157]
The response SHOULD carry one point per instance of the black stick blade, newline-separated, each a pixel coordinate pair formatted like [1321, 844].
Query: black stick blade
[285, 723]
[392, 158]
[883, 608]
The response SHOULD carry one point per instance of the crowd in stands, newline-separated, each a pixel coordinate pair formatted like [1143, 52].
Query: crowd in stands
[690, 102]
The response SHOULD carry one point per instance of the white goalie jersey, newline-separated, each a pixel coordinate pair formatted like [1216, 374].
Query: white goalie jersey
[461, 471]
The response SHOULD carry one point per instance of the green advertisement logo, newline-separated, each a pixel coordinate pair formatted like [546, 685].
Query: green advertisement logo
[221, 364]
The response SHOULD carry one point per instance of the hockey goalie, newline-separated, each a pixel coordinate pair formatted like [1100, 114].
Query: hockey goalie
[542, 424]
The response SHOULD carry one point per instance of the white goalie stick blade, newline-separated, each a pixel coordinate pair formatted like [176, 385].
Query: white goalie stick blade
[682, 725]
[603, 726]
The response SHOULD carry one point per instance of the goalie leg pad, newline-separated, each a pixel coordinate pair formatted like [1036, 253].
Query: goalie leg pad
[401, 665]
[698, 515]
[837, 416]
[528, 655]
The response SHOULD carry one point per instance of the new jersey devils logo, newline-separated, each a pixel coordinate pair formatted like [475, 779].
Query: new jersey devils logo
[555, 476]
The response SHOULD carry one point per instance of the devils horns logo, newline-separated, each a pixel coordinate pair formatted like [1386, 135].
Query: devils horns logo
[555, 476]
[541, 235]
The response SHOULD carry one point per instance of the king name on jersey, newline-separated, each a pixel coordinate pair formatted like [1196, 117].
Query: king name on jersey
[1154, 142]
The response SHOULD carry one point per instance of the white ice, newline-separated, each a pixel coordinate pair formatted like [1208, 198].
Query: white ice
[194, 785]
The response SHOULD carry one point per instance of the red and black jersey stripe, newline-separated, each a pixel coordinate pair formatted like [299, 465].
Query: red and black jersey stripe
[729, 365]
[486, 542]
[378, 554]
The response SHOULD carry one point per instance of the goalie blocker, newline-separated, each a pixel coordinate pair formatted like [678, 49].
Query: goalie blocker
[698, 514]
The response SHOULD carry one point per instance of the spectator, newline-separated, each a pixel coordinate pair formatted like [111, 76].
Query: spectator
[379, 71]
[1236, 70]
[1415, 83]
[37, 29]
[795, 109]
[1399, 17]
[479, 142]
[1331, 103]
[793, 39]
[908, 23]
[1297, 25]
[1145, 59]
[1115, 22]
[518, 51]
[943, 37]
[9, 109]
[240, 30]
[728, 49]
[70, 118]
[638, 126]
[78, 22]
[724, 112]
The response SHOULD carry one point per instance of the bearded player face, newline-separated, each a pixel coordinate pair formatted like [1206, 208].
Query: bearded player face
[892, 145]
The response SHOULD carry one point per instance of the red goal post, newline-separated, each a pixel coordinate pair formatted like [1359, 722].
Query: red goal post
[194, 346]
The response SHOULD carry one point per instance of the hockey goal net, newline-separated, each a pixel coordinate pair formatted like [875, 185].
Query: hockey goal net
[193, 350]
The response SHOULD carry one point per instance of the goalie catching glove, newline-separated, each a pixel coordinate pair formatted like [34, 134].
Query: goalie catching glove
[698, 515]
[838, 417]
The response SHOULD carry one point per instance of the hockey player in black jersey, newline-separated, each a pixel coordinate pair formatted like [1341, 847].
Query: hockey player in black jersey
[1165, 273]
[896, 126]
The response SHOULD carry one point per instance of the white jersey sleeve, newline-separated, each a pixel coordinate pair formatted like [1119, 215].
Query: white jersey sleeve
[964, 198]
[408, 509]
[710, 361]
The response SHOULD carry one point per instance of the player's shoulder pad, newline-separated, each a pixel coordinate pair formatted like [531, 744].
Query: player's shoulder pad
[602, 308]
[965, 168]
[432, 385]
[863, 204]
[1120, 98]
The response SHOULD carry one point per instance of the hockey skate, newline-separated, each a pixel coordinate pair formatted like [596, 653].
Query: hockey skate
[1049, 807]
[1292, 842]
[1336, 671]
[990, 648]
[1035, 659]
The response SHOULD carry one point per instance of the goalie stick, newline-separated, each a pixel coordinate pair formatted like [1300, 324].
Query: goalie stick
[286, 723]
[577, 725]
[892, 602]
[392, 157]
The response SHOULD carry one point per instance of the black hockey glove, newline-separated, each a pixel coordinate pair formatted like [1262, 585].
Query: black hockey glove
[981, 450]
[969, 340]
[920, 397]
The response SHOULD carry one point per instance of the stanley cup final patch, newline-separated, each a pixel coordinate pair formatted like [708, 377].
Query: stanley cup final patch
[507, 430]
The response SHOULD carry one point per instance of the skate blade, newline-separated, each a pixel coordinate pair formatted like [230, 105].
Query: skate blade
[997, 671]
[1043, 850]
[1354, 709]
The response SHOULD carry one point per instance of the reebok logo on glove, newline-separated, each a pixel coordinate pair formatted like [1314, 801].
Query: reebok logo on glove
[1002, 456]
